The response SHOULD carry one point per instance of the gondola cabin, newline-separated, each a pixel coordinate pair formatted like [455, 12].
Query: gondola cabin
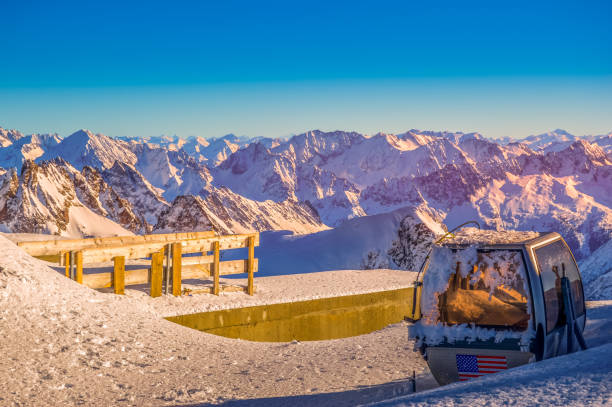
[491, 300]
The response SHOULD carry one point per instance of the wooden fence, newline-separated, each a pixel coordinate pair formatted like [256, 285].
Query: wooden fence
[165, 251]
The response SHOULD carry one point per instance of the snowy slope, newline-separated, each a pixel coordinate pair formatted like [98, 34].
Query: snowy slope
[216, 150]
[9, 136]
[134, 187]
[605, 142]
[555, 140]
[358, 243]
[55, 198]
[209, 151]
[579, 379]
[16, 148]
[379, 157]
[259, 173]
[596, 273]
[65, 344]
[86, 148]
[188, 213]
[173, 172]
[243, 215]
[82, 222]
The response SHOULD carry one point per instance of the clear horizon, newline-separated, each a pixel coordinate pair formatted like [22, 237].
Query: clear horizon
[70, 132]
[278, 69]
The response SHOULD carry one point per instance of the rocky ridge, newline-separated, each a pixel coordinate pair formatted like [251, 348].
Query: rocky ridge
[310, 182]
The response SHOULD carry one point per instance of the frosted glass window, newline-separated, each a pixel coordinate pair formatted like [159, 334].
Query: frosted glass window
[493, 293]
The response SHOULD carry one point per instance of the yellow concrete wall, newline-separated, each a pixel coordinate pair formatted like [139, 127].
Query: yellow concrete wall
[52, 258]
[325, 318]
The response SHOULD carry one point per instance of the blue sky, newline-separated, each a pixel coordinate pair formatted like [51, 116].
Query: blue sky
[277, 68]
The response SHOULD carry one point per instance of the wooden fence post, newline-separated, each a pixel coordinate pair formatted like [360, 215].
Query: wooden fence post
[79, 267]
[167, 269]
[176, 268]
[72, 266]
[119, 275]
[157, 262]
[67, 261]
[215, 268]
[250, 265]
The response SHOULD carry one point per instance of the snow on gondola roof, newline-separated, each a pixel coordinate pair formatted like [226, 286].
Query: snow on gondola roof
[475, 236]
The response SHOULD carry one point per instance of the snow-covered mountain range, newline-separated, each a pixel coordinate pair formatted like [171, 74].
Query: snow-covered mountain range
[307, 183]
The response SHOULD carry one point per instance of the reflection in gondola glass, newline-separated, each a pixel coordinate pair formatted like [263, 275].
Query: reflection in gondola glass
[555, 261]
[491, 293]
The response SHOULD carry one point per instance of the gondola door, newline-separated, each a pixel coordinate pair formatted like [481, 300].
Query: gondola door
[554, 261]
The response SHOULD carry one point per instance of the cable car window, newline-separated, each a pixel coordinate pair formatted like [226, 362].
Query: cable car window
[555, 261]
[492, 293]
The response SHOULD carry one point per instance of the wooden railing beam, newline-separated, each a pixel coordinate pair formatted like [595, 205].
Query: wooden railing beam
[141, 276]
[56, 247]
[137, 251]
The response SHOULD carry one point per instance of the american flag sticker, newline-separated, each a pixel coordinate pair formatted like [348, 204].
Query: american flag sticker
[471, 366]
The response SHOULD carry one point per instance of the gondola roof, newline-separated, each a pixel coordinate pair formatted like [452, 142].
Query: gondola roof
[478, 237]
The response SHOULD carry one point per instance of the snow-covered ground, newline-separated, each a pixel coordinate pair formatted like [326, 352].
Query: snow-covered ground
[579, 379]
[347, 246]
[597, 273]
[64, 344]
[271, 290]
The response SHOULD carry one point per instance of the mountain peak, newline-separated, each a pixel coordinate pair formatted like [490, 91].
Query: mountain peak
[83, 147]
[82, 133]
[8, 137]
[594, 151]
[561, 132]
[230, 137]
